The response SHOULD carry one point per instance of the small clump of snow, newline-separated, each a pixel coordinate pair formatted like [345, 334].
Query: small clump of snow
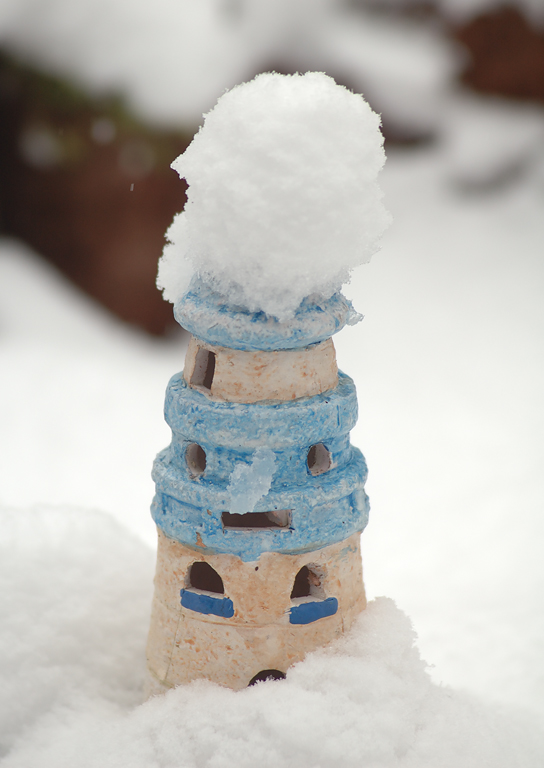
[250, 482]
[283, 199]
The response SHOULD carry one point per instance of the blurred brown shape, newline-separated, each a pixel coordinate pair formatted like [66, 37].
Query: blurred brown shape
[90, 189]
[506, 54]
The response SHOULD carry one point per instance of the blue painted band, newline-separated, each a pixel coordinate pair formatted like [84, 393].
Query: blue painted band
[209, 316]
[312, 527]
[211, 495]
[306, 613]
[218, 606]
[291, 466]
[278, 426]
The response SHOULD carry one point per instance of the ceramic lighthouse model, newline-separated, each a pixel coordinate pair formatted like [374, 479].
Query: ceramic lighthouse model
[260, 497]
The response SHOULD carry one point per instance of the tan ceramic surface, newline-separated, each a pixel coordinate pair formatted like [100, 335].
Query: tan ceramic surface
[249, 377]
[184, 645]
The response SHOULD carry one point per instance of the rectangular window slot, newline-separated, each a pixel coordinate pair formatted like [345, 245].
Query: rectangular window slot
[204, 369]
[277, 518]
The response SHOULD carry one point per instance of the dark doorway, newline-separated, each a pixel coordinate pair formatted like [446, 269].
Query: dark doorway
[267, 674]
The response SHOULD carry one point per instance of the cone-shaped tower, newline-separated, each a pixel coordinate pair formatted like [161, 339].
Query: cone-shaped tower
[260, 500]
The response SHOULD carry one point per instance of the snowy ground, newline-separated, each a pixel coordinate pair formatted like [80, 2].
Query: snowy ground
[448, 364]
[171, 59]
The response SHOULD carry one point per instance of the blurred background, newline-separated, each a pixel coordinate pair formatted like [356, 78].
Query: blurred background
[96, 100]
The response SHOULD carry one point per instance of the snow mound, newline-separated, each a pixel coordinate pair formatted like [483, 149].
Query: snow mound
[74, 605]
[75, 595]
[283, 200]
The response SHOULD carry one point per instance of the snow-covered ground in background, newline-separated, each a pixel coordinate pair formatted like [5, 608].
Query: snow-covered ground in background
[172, 59]
[450, 376]
[449, 370]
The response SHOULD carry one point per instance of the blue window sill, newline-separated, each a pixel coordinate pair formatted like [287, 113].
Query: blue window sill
[306, 613]
[218, 606]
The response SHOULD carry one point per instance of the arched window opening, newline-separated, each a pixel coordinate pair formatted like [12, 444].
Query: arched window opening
[267, 674]
[308, 583]
[301, 587]
[204, 369]
[203, 576]
[195, 456]
[319, 459]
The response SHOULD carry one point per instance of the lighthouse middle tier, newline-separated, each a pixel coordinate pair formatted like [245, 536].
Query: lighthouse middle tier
[243, 594]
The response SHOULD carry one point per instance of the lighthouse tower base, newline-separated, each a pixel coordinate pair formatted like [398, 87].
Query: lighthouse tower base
[254, 616]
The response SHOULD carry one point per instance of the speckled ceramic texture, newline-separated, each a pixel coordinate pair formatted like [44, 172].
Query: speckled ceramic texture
[324, 509]
[184, 645]
[243, 376]
[267, 385]
[209, 316]
[278, 425]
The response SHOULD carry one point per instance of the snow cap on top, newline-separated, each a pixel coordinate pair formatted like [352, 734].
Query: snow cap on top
[283, 201]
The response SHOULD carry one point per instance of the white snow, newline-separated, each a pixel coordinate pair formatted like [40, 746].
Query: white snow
[283, 200]
[488, 140]
[75, 593]
[452, 352]
[250, 482]
[70, 376]
[405, 70]
[448, 367]
[74, 604]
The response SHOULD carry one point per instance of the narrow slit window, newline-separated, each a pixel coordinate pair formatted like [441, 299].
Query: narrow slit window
[319, 459]
[277, 518]
[204, 369]
[203, 576]
[195, 456]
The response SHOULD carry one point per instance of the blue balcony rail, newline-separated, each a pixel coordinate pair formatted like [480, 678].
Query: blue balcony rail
[201, 603]
[306, 613]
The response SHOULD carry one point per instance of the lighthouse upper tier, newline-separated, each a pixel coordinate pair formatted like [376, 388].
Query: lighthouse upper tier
[251, 381]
